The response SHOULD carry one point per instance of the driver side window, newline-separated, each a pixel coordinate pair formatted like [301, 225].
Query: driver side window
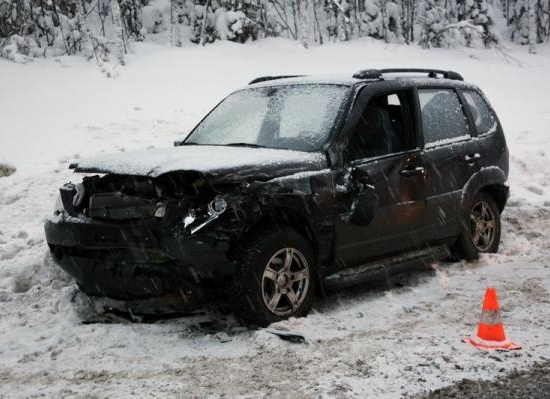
[384, 126]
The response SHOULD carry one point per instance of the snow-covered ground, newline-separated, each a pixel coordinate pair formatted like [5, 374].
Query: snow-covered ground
[362, 342]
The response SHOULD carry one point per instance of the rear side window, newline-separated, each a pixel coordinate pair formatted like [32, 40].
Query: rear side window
[443, 119]
[482, 115]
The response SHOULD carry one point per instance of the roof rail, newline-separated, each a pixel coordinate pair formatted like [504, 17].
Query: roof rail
[267, 78]
[432, 73]
[375, 74]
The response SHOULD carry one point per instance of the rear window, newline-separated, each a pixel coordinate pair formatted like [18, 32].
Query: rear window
[482, 115]
[443, 119]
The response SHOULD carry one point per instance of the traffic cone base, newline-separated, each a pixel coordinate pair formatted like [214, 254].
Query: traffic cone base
[481, 343]
[490, 332]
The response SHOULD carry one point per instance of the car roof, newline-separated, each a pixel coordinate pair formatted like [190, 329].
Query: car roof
[414, 77]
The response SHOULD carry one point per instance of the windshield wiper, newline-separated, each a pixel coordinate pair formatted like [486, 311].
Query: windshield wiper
[246, 145]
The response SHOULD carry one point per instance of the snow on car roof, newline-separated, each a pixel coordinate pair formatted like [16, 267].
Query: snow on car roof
[349, 80]
[338, 79]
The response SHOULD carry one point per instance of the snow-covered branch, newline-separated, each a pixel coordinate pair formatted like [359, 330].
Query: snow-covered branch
[32, 28]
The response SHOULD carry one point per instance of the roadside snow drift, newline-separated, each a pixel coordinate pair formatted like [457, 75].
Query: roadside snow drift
[397, 336]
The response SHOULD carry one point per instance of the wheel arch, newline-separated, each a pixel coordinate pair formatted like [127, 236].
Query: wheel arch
[493, 181]
[283, 217]
[248, 295]
[499, 192]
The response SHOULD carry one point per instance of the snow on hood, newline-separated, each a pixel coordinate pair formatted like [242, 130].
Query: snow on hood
[206, 159]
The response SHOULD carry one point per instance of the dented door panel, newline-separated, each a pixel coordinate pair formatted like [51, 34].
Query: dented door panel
[399, 212]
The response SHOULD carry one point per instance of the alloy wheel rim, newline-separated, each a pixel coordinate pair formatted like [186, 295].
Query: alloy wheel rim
[482, 226]
[285, 281]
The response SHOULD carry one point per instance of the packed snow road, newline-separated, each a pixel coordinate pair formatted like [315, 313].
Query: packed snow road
[395, 337]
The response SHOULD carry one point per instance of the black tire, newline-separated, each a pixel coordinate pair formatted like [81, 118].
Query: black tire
[258, 281]
[480, 229]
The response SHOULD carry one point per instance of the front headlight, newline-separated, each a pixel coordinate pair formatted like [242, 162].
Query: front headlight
[78, 197]
[217, 206]
[160, 211]
[214, 209]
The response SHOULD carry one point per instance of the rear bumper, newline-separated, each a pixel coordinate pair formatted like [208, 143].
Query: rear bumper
[138, 260]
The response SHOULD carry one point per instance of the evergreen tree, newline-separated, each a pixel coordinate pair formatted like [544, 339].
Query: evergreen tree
[434, 21]
[31, 28]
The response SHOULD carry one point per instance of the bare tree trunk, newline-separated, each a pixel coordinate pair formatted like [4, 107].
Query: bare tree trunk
[303, 16]
[101, 16]
[295, 18]
[385, 21]
[280, 9]
[411, 20]
[172, 41]
[119, 38]
[204, 21]
[532, 27]
[408, 20]
[316, 17]
[264, 18]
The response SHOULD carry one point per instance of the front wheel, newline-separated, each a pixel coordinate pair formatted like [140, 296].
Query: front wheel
[481, 231]
[273, 279]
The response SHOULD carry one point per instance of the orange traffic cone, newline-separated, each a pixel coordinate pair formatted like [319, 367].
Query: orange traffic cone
[490, 333]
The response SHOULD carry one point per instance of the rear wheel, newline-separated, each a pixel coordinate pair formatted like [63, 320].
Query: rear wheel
[273, 279]
[481, 230]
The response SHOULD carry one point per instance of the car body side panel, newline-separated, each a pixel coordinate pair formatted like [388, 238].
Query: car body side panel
[309, 202]
[399, 213]
[447, 172]
[493, 163]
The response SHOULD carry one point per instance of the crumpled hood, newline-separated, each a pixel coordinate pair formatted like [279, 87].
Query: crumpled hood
[214, 160]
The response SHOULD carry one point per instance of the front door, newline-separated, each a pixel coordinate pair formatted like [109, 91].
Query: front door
[382, 147]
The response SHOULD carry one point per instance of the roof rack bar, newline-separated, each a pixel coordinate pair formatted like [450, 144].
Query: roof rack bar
[432, 73]
[376, 74]
[371, 74]
[267, 78]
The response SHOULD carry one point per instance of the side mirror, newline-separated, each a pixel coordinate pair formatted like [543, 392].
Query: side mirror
[363, 207]
[360, 179]
[365, 200]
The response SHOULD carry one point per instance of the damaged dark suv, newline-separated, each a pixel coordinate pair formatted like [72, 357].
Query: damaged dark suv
[290, 186]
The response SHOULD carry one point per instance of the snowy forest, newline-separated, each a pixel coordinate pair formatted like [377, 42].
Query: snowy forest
[105, 29]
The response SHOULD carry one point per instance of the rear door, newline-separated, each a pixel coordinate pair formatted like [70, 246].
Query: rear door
[449, 156]
[489, 132]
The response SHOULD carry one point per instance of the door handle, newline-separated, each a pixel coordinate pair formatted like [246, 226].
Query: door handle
[419, 170]
[472, 157]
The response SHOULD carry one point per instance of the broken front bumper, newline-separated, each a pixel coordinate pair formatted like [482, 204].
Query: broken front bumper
[134, 260]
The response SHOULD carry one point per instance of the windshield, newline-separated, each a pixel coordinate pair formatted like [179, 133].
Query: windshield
[298, 117]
